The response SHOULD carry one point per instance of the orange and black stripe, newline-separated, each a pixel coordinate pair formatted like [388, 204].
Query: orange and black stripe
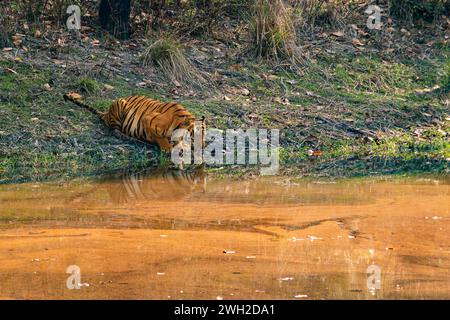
[146, 119]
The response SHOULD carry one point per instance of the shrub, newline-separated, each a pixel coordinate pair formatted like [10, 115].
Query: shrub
[414, 10]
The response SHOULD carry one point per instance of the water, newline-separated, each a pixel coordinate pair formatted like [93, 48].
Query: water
[175, 235]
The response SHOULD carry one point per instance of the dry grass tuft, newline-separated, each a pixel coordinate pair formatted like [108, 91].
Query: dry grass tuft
[167, 54]
[273, 31]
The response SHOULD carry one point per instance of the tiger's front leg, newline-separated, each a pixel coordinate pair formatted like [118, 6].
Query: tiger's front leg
[120, 135]
[164, 144]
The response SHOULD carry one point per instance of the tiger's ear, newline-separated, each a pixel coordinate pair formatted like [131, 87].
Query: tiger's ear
[203, 119]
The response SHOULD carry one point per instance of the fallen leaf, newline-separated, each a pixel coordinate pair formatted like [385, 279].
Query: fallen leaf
[314, 153]
[245, 92]
[277, 100]
[75, 96]
[338, 34]
[61, 42]
[357, 42]
[362, 32]
[236, 67]
[269, 77]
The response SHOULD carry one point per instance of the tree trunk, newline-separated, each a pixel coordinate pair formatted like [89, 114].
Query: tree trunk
[114, 16]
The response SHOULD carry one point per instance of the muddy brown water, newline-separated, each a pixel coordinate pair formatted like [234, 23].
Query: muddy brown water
[185, 236]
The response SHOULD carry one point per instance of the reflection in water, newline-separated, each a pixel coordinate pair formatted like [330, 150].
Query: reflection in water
[170, 185]
[174, 235]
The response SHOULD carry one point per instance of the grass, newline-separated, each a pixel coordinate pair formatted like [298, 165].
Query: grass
[43, 137]
[86, 85]
[429, 143]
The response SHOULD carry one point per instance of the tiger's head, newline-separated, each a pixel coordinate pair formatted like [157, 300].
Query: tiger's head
[196, 128]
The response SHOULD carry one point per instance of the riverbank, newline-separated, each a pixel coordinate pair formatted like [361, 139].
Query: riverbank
[346, 110]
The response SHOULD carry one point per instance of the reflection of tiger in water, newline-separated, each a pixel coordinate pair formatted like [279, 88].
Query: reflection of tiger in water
[165, 185]
[145, 119]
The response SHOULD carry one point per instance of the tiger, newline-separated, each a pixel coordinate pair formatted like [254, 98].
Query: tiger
[145, 119]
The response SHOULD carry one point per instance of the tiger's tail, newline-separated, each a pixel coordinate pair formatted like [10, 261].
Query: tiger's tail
[76, 98]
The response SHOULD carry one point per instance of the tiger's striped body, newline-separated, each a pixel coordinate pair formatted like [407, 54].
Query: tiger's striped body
[146, 119]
